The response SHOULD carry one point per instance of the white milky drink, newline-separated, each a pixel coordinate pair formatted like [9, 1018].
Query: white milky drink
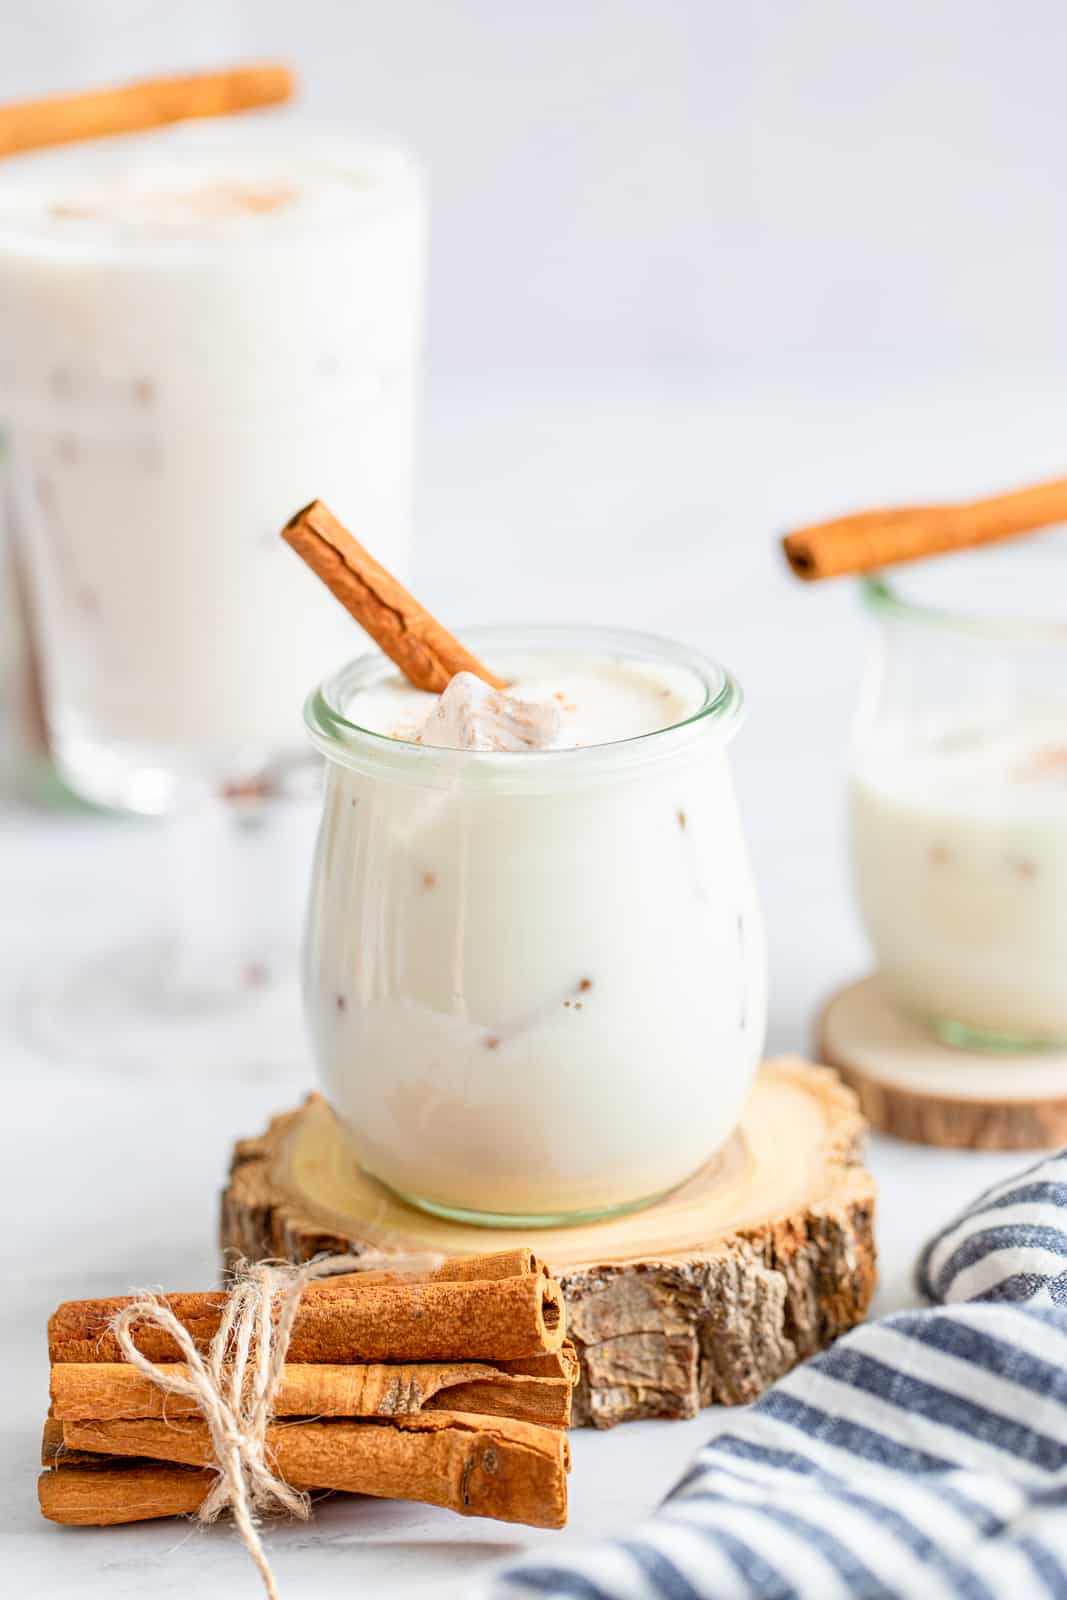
[959, 852]
[535, 970]
[199, 331]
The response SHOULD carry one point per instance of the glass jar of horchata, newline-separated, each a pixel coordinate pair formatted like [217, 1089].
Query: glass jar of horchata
[536, 980]
[958, 811]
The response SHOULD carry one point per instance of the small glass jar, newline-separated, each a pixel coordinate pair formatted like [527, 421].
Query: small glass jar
[536, 982]
[958, 794]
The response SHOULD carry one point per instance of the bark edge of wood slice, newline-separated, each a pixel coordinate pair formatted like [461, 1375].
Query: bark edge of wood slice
[707, 1297]
[914, 1088]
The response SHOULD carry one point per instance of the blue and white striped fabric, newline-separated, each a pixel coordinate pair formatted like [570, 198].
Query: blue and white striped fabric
[925, 1455]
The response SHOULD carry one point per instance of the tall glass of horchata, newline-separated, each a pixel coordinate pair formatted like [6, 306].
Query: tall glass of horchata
[199, 330]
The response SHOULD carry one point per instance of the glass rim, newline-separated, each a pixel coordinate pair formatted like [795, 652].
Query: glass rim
[349, 743]
[398, 175]
[884, 598]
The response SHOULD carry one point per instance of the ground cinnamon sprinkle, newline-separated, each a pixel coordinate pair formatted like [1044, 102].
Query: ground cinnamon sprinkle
[1046, 763]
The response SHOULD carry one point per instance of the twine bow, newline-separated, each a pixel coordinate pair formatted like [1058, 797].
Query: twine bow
[234, 1385]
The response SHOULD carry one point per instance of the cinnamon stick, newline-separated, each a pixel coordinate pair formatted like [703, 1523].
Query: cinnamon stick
[54, 1447]
[487, 1268]
[873, 539]
[113, 1391]
[426, 653]
[561, 1363]
[104, 1495]
[135, 107]
[345, 1320]
[478, 1466]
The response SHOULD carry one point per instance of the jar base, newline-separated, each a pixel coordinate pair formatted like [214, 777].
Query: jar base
[962, 1036]
[519, 1219]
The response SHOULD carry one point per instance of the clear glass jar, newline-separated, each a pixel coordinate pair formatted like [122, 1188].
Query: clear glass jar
[536, 982]
[958, 793]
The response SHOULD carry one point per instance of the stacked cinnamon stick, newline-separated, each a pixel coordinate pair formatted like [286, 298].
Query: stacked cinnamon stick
[452, 1387]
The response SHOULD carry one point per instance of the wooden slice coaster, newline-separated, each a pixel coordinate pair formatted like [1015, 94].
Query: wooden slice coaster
[911, 1086]
[709, 1295]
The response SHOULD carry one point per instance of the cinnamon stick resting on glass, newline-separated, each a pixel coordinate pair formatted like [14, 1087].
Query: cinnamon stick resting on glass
[872, 539]
[135, 107]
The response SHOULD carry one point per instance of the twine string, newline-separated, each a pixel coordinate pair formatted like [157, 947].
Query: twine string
[234, 1384]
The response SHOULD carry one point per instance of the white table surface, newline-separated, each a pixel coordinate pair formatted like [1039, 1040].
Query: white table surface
[647, 502]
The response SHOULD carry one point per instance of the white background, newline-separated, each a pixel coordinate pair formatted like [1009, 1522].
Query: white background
[637, 182]
[699, 271]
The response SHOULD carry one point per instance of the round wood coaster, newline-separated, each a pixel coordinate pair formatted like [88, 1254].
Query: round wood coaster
[913, 1087]
[711, 1294]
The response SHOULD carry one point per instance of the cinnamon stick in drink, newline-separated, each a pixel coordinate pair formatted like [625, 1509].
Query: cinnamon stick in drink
[872, 539]
[114, 1391]
[135, 107]
[478, 1466]
[345, 1320]
[426, 653]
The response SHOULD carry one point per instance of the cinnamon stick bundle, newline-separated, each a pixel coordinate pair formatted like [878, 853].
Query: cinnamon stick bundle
[114, 1391]
[479, 1466]
[450, 1386]
[873, 539]
[426, 653]
[349, 1320]
[136, 107]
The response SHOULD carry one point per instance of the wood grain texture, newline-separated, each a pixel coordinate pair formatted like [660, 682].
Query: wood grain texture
[135, 107]
[426, 653]
[706, 1297]
[913, 1087]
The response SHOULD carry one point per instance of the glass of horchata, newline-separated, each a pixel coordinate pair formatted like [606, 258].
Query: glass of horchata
[199, 330]
[535, 977]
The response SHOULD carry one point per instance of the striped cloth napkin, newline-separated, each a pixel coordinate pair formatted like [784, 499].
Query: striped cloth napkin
[924, 1455]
